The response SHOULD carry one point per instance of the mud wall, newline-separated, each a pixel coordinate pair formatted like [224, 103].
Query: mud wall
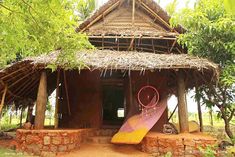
[85, 96]
[85, 100]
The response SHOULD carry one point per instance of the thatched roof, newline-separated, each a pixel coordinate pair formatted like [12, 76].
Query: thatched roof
[107, 59]
[22, 78]
[115, 18]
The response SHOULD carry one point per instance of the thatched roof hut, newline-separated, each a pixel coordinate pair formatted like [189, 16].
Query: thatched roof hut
[135, 46]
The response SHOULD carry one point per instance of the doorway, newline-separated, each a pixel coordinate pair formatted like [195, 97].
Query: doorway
[113, 105]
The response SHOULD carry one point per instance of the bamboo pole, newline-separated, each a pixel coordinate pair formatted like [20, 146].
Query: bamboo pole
[56, 123]
[3, 98]
[41, 102]
[10, 74]
[182, 108]
[133, 13]
[22, 78]
[66, 91]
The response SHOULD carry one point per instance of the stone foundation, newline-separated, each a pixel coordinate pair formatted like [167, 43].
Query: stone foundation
[43, 141]
[178, 145]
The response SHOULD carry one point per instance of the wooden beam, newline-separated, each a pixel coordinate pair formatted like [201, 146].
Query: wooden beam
[66, 91]
[22, 78]
[156, 15]
[172, 46]
[41, 102]
[10, 74]
[182, 108]
[100, 16]
[129, 37]
[3, 98]
[131, 44]
[57, 100]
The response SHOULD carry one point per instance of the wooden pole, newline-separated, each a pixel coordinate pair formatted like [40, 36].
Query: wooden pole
[3, 99]
[130, 90]
[66, 91]
[56, 123]
[182, 108]
[41, 102]
[133, 13]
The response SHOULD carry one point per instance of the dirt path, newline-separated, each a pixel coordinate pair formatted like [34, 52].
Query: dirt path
[106, 150]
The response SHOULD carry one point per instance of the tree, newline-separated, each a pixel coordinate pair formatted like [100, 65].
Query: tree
[211, 34]
[84, 8]
[34, 27]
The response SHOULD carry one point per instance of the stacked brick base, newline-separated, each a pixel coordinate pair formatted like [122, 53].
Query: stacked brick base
[38, 142]
[178, 145]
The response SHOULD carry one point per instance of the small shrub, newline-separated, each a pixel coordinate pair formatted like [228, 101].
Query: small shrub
[209, 151]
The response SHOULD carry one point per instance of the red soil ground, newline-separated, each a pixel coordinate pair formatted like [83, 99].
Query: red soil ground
[106, 150]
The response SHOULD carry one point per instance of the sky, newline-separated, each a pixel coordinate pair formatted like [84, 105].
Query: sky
[163, 3]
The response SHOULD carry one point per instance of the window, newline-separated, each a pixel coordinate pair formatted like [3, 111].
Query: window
[120, 112]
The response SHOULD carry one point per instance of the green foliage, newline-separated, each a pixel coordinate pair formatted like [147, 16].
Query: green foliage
[171, 7]
[230, 6]
[168, 154]
[84, 8]
[211, 34]
[34, 27]
[209, 151]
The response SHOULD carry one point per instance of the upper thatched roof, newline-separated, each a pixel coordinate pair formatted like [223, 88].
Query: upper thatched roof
[115, 18]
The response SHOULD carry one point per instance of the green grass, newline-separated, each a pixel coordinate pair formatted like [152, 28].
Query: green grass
[4, 152]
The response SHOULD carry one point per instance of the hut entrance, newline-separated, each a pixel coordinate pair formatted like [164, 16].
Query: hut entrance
[113, 105]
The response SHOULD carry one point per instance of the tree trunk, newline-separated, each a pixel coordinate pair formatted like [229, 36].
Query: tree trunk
[182, 108]
[10, 118]
[29, 114]
[211, 117]
[41, 102]
[21, 116]
[227, 129]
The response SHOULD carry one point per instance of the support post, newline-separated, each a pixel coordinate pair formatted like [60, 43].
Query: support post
[182, 108]
[41, 102]
[3, 99]
[57, 100]
[67, 94]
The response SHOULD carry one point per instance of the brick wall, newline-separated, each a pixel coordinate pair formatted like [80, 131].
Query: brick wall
[42, 141]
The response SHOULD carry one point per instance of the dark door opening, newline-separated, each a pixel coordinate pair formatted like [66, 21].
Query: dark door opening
[113, 105]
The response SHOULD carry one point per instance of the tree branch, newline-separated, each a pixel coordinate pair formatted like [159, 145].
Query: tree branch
[231, 116]
[6, 8]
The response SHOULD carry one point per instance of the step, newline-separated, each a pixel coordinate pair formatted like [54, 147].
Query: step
[99, 139]
[105, 132]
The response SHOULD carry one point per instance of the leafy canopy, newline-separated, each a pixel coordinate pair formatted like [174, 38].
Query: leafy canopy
[34, 27]
[211, 34]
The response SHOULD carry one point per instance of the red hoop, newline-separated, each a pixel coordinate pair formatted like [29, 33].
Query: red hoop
[156, 95]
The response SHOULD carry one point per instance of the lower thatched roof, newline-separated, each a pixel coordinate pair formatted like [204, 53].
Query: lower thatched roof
[107, 59]
[21, 78]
